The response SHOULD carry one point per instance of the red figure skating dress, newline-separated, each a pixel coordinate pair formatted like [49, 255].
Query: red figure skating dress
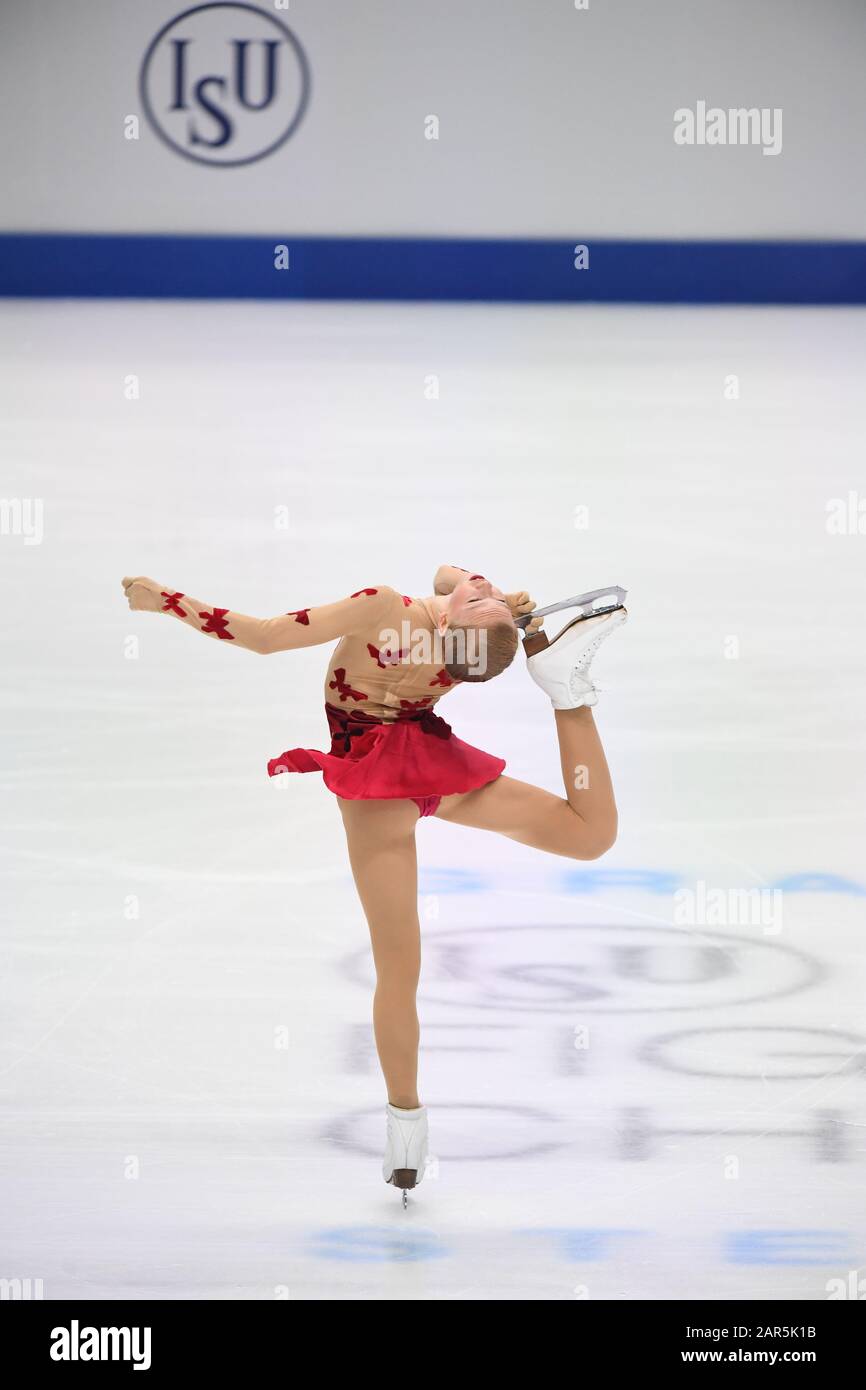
[382, 685]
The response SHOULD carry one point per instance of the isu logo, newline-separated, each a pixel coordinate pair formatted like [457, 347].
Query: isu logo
[225, 84]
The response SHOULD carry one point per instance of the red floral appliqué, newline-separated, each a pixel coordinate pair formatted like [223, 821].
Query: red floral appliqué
[406, 600]
[415, 704]
[171, 605]
[216, 622]
[300, 615]
[343, 689]
[384, 658]
[442, 678]
[359, 592]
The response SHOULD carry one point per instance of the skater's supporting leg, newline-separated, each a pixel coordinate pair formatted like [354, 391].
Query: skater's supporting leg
[381, 840]
[582, 825]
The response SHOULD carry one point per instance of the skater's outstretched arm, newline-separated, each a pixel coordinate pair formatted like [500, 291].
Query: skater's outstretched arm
[302, 627]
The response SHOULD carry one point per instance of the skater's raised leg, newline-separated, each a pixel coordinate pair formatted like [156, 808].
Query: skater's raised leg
[580, 825]
[585, 773]
[381, 840]
[583, 824]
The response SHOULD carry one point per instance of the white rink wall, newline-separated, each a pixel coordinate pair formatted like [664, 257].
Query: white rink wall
[553, 122]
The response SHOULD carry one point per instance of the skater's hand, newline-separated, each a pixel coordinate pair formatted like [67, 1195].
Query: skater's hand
[520, 603]
[143, 595]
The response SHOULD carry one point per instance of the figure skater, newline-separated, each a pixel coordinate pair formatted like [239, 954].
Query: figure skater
[393, 760]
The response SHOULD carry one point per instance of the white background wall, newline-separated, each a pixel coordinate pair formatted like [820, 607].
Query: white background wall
[554, 122]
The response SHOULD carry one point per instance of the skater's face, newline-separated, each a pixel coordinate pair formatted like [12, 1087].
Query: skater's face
[475, 602]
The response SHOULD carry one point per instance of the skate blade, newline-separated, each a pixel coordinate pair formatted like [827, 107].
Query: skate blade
[575, 622]
[590, 605]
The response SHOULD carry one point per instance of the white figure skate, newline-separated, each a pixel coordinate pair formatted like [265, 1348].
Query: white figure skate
[405, 1148]
[560, 666]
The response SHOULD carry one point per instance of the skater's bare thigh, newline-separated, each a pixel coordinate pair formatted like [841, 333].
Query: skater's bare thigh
[385, 818]
[529, 814]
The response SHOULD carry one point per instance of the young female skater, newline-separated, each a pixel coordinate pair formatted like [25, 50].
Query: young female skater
[393, 760]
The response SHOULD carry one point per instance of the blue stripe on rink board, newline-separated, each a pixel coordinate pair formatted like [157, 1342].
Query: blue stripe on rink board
[540, 271]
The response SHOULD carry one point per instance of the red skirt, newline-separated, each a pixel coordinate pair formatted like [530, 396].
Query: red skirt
[414, 756]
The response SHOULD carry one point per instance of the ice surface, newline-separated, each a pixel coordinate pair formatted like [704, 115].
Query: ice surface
[623, 1104]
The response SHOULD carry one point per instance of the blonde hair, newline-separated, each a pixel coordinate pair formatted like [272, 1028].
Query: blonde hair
[478, 653]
